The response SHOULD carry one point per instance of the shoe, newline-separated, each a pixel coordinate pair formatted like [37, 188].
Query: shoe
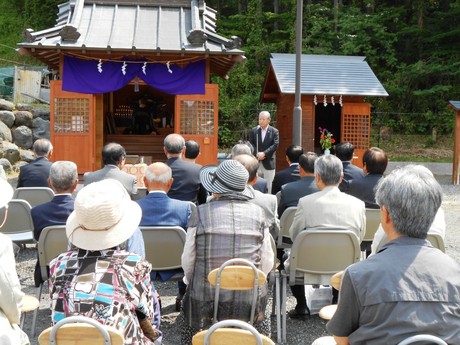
[299, 313]
[178, 302]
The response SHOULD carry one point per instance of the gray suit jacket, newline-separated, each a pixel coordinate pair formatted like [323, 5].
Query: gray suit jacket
[269, 204]
[329, 209]
[112, 171]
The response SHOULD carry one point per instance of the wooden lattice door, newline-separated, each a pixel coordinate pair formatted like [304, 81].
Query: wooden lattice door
[356, 128]
[197, 119]
[72, 127]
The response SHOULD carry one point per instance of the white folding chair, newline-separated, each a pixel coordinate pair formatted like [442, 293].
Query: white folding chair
[436, 241]
[18, 225]
[284, 238]
[276, 303]
[52, 242]
[372, 225]
[34, 195]
[316, 255]
[80, 330]
[164, 246]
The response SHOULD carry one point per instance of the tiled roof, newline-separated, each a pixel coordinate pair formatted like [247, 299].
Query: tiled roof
[145, 27]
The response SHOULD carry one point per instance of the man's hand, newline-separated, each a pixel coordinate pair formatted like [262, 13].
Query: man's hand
[260, 156]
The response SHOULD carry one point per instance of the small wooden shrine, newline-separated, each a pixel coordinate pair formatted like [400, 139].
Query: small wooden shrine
[333, 96]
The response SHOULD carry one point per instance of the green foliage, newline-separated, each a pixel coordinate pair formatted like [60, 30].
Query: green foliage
[412, 46]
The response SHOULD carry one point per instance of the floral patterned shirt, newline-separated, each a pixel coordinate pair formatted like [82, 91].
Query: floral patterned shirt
[111, 286]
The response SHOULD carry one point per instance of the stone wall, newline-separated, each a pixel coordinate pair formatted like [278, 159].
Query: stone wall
[20, 126]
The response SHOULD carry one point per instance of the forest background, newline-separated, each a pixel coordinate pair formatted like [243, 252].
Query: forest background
[413, 47]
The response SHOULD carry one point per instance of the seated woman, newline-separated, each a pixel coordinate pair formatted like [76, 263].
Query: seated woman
[10, 288]
[99, 279]
[226, 227]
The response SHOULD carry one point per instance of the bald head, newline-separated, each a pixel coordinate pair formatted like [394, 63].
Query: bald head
[158, 176]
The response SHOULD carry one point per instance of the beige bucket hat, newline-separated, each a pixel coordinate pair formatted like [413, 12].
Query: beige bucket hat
[104, 216]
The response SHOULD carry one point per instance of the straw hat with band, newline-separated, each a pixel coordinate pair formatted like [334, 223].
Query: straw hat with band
[104, 216]
[229, 178]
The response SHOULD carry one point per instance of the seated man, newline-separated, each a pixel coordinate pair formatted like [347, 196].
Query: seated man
[327, 209]
[36, 173]
[291, 173]
[186, 185]
[63, 180]
[99, 278]
[268, 202]
[375, 162]
[245, 148]
[291, 192]
[192, 151]
[409, 287]
[344, 151]
[158, 209]
[113, 156]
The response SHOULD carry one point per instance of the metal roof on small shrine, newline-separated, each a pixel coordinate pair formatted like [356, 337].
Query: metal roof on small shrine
[325, 75]
[155, 27]
[455, 104]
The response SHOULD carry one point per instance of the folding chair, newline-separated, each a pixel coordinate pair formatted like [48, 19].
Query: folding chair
[276, 304]
[284, 238]
[34, 195]
[316, 255]
[423, 337]
[221, 334]
[18, 225]
[192, 208]
[244, 276]
[436, 241]
[164, 246]
[372, 225]
[80, 330]
[52, 242]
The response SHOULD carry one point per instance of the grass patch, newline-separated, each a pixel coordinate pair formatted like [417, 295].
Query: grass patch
[416, 148]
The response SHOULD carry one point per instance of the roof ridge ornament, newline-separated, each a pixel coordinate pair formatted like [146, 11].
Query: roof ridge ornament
[197, 36]
[69, 33]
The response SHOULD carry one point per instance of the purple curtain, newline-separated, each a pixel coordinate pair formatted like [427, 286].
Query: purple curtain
[91, 76]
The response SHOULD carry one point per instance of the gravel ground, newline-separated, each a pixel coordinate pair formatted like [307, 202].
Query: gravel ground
[300, 332]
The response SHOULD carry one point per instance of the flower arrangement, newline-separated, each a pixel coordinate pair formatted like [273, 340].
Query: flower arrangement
[326, 139]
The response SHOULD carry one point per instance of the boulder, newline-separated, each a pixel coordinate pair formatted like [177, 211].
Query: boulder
[41, 128]
[7, 117]
[23, 118]
[19, 164]
[43, 113]
[6, 164]
[26, 155]
[22, 136]
[6, 105]
[24, 106]
[10, 151]
[5, 132]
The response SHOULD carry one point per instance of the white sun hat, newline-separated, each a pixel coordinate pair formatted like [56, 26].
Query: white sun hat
[104, 216]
